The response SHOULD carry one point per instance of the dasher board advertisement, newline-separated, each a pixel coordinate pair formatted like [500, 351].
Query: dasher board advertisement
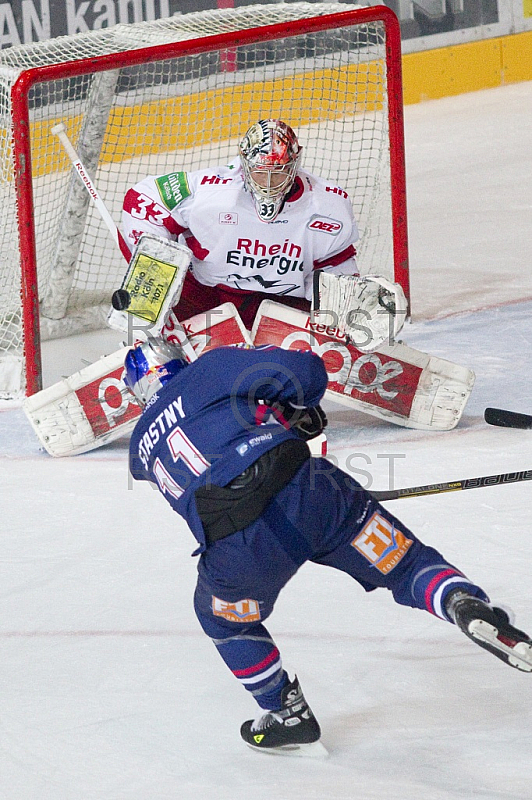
[425, 24]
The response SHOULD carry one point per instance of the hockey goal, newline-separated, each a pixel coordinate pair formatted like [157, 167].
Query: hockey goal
[177, 94]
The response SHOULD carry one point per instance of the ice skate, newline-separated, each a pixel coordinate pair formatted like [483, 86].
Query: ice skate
[490, 627]
[292, 730]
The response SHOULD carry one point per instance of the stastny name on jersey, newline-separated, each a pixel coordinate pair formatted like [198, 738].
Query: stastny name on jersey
[162, 423]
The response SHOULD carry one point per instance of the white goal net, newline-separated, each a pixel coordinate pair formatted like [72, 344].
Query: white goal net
[177, 94]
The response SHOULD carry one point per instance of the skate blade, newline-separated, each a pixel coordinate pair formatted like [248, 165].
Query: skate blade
[518, 655]
[312, 750]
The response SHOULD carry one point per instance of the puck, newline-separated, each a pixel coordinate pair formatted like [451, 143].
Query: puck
[121, 299]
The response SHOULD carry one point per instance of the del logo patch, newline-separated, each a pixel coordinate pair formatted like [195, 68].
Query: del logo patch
[381, 543]
[241, 611]
[325, 225]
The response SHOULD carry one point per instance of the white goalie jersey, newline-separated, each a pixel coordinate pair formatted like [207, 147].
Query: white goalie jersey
[211, 212]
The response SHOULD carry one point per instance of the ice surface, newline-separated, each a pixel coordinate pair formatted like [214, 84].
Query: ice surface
[110, 691]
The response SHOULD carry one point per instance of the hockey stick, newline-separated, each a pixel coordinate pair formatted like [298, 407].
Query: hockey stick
[454, 486]
[507, 419]
[120, 299]
[59, 130]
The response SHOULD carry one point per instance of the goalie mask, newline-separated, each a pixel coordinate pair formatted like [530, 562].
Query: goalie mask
[269, 153]
[150, 366]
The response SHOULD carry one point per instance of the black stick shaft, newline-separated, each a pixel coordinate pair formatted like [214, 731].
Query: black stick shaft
[507, 419]
[455, 486]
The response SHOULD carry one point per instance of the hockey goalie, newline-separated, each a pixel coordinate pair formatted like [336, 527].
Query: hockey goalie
[255, 252]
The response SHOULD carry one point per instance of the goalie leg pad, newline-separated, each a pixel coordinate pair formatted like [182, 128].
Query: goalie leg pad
[218, 327]
[86, 410]
[93, 407]
[395, 383]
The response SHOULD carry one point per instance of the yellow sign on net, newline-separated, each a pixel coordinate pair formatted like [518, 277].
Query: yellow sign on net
[148, 285]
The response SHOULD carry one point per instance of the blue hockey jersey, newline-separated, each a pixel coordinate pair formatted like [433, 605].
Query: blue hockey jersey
[206, 424]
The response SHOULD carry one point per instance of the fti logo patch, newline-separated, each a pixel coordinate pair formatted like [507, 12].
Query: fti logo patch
[241, 611]
[381, 543]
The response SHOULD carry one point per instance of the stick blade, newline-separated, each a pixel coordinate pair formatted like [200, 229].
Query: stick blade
[508, 419]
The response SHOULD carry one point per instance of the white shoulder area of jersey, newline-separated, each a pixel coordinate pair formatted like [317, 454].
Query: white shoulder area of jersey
[330, 211]
[188, 181]
[319, 186]
[147, 182]
[217, 175]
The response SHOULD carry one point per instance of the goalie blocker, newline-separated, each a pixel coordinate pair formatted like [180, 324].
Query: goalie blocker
[151, 287]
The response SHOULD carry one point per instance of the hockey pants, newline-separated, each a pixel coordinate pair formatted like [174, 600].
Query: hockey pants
[323, 516]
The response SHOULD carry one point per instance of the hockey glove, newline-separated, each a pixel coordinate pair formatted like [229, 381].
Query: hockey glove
[306, 422]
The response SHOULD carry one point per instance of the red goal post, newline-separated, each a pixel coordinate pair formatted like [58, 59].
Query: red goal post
[177, 94]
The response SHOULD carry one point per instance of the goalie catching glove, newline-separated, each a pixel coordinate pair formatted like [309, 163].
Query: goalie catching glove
[370, 311]
[308, 422]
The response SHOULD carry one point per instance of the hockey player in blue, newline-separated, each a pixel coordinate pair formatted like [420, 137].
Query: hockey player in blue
[224, 439]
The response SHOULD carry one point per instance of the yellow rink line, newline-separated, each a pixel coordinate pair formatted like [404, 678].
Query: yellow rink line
[431, 74]
[161, 125]
[427, 75]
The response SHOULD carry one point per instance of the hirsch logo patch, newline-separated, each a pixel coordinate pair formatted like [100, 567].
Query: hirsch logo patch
[325, 225]
[241, 611]
[381, 543]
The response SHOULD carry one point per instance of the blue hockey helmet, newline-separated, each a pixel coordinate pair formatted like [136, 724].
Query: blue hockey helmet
[151, 365]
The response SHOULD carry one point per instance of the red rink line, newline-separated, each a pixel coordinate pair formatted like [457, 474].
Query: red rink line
[70, 634]
[318, 635]
[355, 639]
[468, 311]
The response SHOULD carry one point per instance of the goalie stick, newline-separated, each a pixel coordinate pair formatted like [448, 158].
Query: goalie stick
[454, 486]
[93, 406]
[508, 419]
[156, 267]
[59, 130]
